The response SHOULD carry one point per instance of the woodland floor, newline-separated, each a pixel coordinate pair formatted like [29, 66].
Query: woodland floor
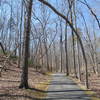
[94, 84]
[38, 82]
[10, 80]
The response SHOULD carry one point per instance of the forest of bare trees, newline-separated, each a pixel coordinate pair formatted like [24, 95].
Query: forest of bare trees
[51, 36]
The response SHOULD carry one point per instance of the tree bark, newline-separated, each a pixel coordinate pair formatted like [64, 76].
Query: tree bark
[2, 48]
[66, 51]
[27, 28]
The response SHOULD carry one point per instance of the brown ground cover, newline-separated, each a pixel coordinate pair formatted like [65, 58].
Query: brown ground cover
[10, 80]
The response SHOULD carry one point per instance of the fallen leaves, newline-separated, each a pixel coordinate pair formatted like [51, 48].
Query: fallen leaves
[10, 81]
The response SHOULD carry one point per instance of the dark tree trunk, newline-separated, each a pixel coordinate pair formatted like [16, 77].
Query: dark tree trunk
[67, 68]
[2, 48]
[61, 46]
[27, 27]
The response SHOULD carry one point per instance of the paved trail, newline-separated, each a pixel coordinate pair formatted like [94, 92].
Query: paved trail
[63, 88]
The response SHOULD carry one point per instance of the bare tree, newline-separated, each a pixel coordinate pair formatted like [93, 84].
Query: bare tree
[27, 27]
[72, 27]
[20, 35]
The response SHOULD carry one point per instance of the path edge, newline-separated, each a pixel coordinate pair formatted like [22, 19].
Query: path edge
[84, 88]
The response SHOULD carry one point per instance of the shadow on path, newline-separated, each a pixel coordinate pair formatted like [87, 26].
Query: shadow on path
[61, 88]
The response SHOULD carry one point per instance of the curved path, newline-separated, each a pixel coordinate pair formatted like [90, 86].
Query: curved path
[63, 88]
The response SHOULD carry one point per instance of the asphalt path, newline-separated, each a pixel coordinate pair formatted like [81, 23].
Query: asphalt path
[63, 88]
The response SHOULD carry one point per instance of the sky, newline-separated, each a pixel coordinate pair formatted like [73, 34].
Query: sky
[5, 10]
[95, 5]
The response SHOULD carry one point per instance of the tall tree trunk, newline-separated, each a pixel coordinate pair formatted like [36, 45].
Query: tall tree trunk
[42, 59]
[78, 45]
[10, 35]
[90, 45]
[27, 28]
[79, 66]
[73, 42]
[55, 57]
[96, 57]
[61, 46]
[66, 51]
[20, 36]
[51, 62]
[47, 57]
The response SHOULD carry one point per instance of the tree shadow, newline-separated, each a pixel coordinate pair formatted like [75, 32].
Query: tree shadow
[9, 81]
[62, 83]
[55, 83]
[14, 70]
[18, 96]
[38, 90]
[65, 94]
[54, 95]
